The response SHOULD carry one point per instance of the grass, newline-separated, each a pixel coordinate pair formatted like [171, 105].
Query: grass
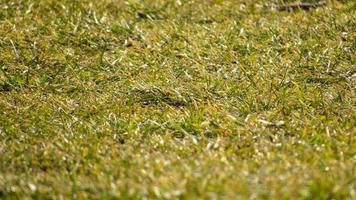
[176, 99]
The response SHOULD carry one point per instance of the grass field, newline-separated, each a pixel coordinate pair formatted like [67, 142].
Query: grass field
[156, 99]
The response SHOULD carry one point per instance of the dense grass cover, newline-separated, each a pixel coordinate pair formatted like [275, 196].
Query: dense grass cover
[158, 99]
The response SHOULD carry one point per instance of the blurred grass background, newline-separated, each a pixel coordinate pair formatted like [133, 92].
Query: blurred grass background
[176, 99]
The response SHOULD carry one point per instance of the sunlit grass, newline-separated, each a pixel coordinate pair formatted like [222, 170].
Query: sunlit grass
[176, 99]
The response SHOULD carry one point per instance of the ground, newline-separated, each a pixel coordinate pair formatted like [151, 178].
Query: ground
[156, 99]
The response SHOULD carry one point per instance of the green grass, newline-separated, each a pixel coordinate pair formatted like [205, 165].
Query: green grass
[181, 99]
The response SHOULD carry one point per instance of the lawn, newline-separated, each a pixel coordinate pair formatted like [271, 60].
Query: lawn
[155, 99]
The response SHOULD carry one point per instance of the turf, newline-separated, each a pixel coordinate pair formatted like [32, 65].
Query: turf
[180, 99]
